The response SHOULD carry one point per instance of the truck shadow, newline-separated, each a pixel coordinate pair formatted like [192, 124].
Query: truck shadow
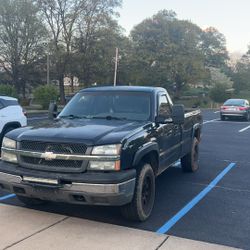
[171, 194]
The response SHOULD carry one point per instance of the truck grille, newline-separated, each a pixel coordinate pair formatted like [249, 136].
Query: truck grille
[55, 165]
[59, 148]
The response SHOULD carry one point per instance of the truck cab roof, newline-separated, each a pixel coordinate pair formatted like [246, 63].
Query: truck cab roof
[124, 88]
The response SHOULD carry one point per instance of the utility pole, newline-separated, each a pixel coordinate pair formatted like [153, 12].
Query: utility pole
[48, 69]
[116, 65]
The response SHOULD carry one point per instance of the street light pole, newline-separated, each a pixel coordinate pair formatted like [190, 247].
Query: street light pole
[116, 65]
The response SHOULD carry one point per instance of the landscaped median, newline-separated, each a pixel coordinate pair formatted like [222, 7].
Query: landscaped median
[23, 228]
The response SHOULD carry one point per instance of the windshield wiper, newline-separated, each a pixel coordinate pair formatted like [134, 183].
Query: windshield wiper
[72, 117]
[109, 117]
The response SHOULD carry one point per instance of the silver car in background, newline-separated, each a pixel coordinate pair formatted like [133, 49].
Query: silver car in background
[235, 108]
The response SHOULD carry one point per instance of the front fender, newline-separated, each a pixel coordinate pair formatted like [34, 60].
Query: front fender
[144, 150]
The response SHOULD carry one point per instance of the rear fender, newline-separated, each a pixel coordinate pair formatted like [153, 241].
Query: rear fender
[196, 131]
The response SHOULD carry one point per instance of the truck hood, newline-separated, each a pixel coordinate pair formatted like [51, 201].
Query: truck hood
[88, 131]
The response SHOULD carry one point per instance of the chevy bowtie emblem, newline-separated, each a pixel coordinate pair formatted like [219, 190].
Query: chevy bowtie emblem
[49, 156]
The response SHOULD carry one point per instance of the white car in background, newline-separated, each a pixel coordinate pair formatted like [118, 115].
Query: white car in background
[11, 115]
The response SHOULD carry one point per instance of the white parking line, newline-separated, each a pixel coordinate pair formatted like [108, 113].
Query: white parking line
[244, 129]
[211, 121]
[177, 164]
[217, 112]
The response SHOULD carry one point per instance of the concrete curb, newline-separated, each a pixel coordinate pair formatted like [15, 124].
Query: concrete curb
[27, 229]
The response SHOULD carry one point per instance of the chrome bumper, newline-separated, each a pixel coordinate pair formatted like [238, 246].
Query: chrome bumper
[83, 193]
[233, 113]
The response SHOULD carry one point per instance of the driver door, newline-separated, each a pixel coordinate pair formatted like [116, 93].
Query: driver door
[169, 134]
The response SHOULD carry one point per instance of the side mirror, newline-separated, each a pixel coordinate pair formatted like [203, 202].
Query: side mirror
[53, 112]
[178, 114]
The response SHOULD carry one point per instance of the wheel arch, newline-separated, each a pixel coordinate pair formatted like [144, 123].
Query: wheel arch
[11, 125]
[148, 153]
[197, 131]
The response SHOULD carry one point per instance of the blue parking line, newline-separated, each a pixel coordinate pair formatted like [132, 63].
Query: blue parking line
[7, 197]
[169, 224]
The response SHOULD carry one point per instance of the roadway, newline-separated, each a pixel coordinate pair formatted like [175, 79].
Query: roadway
[212, 205]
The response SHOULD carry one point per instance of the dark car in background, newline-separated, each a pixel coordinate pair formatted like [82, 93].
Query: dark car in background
[235, 108]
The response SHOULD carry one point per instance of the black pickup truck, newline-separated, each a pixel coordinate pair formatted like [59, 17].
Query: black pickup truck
[106, 147]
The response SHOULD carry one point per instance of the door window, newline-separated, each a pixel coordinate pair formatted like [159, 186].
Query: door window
[164, 109]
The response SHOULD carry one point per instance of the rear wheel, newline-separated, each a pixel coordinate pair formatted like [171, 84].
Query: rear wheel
[247, 116]
[143, 201]
[222, 117]
[30, 201]
[189, 162]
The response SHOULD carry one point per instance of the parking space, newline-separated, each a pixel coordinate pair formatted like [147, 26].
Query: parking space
[222, 216]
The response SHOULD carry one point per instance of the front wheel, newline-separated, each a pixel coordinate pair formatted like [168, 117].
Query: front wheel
[143, 201]
[189, 162]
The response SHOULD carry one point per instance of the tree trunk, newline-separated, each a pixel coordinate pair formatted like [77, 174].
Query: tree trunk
[72, 83]
[61, 89]
[24, 90]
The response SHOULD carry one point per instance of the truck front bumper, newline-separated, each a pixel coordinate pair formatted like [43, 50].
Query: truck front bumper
[54, 189]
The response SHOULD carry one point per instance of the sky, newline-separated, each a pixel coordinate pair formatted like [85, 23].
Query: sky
[230, 17]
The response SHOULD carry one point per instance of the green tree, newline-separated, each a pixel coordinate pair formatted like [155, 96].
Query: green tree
[242, 73]
[98, 36]
[166, 52]
[221, 85]
[72, 25]
[219, 77]
[219, 94]
[213, 46]
[44, 94]
[7, 90]
[96, 64]
[21, 36]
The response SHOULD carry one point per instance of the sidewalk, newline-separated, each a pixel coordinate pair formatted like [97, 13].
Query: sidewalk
[27, 229]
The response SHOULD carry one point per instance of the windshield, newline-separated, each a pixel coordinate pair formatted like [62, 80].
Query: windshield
[234, 102]
[109, 105]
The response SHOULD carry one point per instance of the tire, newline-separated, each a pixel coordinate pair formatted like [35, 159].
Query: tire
[247, 117]
[143, 201]
[30, 202]
[223, 118]
[189, 162]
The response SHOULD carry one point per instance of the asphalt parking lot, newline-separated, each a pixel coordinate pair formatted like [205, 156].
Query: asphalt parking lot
[220, 214]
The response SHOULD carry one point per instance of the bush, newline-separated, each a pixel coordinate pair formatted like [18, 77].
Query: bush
[218, 93]
[44, 94]
[7, 90]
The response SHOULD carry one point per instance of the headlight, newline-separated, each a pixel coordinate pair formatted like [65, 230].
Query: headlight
[6, 156]
[8, 143]
[104, 165]
[10, 157]
[107, 150]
